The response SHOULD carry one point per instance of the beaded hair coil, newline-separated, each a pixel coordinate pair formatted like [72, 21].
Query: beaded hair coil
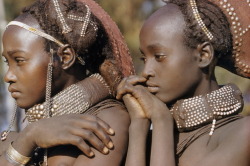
[65, 27]
[199, 20]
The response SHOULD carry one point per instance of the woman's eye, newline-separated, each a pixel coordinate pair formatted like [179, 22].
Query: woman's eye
[143, 59]
[160, 57]
[19, 60]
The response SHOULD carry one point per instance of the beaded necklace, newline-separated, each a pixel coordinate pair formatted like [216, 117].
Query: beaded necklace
[193, 113]
[75, 99]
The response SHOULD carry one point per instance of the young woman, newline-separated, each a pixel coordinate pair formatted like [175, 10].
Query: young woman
[66, 57]
[194, 120]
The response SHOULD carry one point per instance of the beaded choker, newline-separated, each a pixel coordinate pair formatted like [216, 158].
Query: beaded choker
[192, 113]
[75, 99]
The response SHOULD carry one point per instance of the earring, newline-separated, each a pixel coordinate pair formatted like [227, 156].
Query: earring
[48, 112]
[5, 133]
[48, 85]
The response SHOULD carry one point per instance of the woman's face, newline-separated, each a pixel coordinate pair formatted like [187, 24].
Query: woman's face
[27, 65]
[170, 66]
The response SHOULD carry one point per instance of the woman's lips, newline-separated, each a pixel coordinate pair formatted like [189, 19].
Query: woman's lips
[153, 89]
[15, 94]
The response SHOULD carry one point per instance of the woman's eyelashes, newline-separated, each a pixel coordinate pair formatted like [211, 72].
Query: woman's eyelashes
[143, 58]
[160, 57]
[157, 57]
[19, 60]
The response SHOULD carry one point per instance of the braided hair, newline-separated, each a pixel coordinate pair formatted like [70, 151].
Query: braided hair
[93, 48]
[214, 19]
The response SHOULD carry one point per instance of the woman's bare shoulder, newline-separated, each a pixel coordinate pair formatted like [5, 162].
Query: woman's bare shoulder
[238, 128]
[236, 136]
[232, 145]
[115, 114]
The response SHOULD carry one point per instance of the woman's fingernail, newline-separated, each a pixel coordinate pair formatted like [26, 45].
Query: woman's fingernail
[91, 154]
[105, 150]
[111, 131]
[110, 145]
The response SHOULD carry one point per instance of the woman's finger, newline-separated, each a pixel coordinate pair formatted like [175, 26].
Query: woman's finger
[127, 83]
[134, 79]
[82, 145]
[134, 108]
[103, 124]
[99, 129]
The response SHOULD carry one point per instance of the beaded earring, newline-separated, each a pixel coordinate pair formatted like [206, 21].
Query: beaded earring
[48, 96]
[49, 85]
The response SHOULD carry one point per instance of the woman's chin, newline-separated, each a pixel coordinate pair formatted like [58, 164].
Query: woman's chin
[168, 100]
[23, 105]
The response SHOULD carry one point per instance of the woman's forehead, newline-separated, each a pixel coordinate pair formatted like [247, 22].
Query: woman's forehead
[16, 38]
[169, 16]
[165, 22]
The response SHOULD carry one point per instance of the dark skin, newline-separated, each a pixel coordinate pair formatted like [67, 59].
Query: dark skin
[90, 136]
[174, 71]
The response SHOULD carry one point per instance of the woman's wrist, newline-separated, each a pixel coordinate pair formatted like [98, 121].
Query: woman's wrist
[25, 144]
[163, 117]
[139, 125]
[15, 158]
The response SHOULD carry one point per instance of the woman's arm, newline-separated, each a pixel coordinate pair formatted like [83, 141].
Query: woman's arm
[138, 131]
[4, 146]
[162, 150]
[78, 130]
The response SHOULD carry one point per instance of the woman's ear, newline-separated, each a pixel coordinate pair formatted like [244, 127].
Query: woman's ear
[67, 56]
[206, 54]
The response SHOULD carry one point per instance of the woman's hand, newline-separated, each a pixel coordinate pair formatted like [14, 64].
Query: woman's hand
[145, 104]
[79, 130]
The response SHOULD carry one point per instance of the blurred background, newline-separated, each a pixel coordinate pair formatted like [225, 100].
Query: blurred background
[129, 15]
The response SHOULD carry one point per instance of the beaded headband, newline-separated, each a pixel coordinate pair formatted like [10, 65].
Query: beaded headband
[237, 13]
[42, 34]
[35, 31]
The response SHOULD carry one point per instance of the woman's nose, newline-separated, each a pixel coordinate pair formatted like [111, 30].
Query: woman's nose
[148, 70]
[10, 77]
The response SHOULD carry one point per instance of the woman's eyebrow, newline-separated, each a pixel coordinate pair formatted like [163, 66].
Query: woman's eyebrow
[155, 45]
[10, 53]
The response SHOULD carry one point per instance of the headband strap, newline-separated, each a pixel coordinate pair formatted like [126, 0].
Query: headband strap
[35, 31]
[42, 34]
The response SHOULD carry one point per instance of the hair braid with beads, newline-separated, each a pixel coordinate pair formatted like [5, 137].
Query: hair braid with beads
[214, 19]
